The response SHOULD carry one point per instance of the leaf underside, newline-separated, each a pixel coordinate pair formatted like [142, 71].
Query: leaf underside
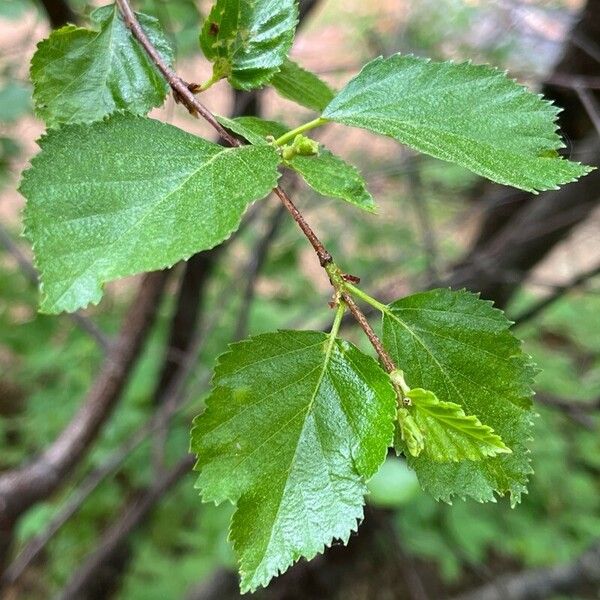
[83, 75]
[128, 195]
[301, 86]
[326, 173]
[294, 427]
[461, 348]
[472, 115]
[451, 435]
[248, 40]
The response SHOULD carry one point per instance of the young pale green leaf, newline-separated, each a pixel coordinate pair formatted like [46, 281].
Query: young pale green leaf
[247, 40]
[449, 434]
[128, 195]
[472, 115]
[325, 173]
[410, 433]
[81, 75]
[253, 129]
[296, 424]
[461, 348]
[333, 177]
[301, 86]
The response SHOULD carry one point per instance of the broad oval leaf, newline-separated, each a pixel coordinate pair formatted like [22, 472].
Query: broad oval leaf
[128, 195]
[326, 173]
[449, 435]
[296, 424]
[82, 75]
[248, 40]
[303, 87]
[460, 347]
[472, 115]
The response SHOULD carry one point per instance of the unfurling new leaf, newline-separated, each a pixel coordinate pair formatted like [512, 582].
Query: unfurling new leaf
[83, 75]
[472, 115]
[461, 348]
[248, 41]
[447, 433]
[296, 424]
[129, 195]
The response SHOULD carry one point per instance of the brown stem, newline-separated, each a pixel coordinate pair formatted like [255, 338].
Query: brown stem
[22, 487]
[186, 97]
[178, 85]
[361, 319]
[322, 252]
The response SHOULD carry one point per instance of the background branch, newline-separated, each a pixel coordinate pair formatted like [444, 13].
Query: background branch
[28, 270]
[21, 488]
[539, 584]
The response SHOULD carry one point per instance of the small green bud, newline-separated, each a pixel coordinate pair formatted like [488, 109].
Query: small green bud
[411, 434]
[301, 146]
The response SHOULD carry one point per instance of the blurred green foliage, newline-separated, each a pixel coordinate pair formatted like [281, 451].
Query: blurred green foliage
[47, 364]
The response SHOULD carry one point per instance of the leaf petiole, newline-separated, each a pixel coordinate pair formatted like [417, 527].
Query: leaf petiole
[290, 135]
[366, 298]
[337, 320]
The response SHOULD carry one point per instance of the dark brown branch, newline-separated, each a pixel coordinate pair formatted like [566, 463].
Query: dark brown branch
[86, 577]
[255, 264]
[539, 584]
[591, 106]
[529, 233]
[170, 404]
[557, 294]
[579, 411]
[196, 274]
[59, 12]
[320, 250]
[36, 481]
[28, 270]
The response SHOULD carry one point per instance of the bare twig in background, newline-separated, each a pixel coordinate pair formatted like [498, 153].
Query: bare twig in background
[540, 584]
[30, 273]
[578, 410]
[255, 264]
[421, 208]
[590, 105]
[573, 81]
[86, 577]
[25, 486]
[529, 234]
[59, 12]
[174, 401]
[183, 329]
[557, 294]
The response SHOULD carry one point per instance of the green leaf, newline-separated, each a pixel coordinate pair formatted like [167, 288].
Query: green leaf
[410, 434]
[449, 434]
[247, 40]
[333, 177]
[82, 75]
[129, 195]
[325, 173]
[254, 129]
[301, 86]
[472, 115]
[461, 348]
[296, 424]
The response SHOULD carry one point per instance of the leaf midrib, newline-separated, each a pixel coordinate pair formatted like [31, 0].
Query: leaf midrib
[328, 352]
